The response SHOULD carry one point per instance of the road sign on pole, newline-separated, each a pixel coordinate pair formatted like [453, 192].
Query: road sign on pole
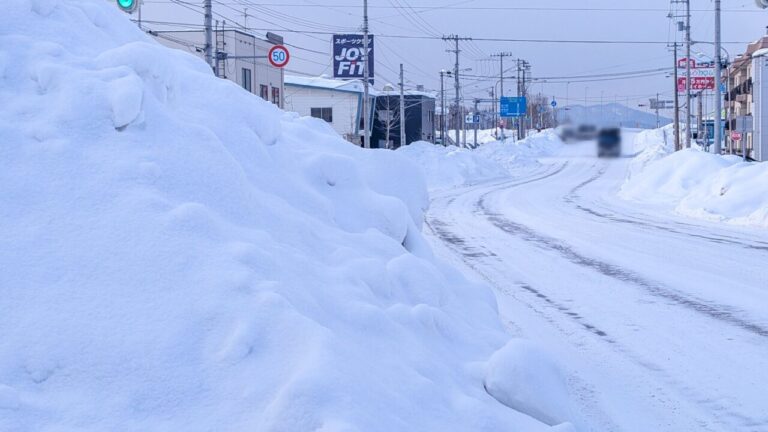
[279, 56]
[512, 106]
[736, 136]
[554, 103]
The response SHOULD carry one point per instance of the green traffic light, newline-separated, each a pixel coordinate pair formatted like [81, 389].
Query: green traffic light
[127, 5]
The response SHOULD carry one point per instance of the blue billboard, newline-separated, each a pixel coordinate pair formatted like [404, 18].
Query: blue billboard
[512, 106]
[348, 54]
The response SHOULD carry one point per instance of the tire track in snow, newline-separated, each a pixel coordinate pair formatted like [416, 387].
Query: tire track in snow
[712, 310]
[573, 196]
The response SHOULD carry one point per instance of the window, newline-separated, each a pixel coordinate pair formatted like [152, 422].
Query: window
[276, 96]
[246, 81]
[264, 92]
[323, 113]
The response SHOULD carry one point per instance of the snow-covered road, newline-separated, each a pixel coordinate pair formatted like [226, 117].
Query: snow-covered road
[660, 321]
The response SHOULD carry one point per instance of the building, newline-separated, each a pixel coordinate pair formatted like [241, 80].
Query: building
[338, 102]
[242, 58]
[419, 118]
[747, 96]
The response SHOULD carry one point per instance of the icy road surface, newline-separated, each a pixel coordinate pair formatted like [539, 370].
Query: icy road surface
[661, 321]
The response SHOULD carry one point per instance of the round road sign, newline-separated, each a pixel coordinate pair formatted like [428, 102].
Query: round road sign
[554, 103]
[279, 56]
[736, 136]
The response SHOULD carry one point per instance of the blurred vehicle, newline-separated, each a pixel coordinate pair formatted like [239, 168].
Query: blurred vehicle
[609, 143]
[586, 132]
[567, 133]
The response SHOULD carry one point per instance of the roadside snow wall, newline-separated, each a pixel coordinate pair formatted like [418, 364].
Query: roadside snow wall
[179, 255]
[698, 184]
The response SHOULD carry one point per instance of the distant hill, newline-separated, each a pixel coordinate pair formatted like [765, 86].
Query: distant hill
[611, 114]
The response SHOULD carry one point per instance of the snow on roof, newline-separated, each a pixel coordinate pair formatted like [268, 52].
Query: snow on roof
[324, 82]
[760, 52]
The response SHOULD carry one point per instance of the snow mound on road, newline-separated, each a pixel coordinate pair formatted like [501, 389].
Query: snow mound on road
[523, 376]
[447, 167]
[699, 184]
[179, 255]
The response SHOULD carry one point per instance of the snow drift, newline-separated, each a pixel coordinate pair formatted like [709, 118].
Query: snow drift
[180, 255]
[447, 167]
[698, 184]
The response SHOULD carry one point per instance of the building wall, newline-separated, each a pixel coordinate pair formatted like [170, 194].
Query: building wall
[345, 107]
[419, 119]
[760, 108]
[235, 44]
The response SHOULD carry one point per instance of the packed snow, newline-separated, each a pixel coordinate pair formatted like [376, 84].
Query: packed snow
[179, 254]
[451, 166]
[696, 183]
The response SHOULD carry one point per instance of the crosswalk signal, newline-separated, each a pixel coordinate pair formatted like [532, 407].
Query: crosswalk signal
[129, 6]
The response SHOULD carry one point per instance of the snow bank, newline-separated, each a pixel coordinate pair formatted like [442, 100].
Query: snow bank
[447, 167]
[698, 184]
[180, 255]
[516, 154]
[523, 376]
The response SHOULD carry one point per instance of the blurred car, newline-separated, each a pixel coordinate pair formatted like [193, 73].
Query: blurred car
[609, 143]
[586, 132]
[567, 133]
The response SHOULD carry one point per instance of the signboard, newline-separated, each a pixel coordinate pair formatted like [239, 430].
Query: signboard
[472, 118]
[736, 136]
[278, 56]
[702, 74]
[744, 124]
[512, 106]
[697, 83]
[348, 55]
[554, 103]
[662, 104]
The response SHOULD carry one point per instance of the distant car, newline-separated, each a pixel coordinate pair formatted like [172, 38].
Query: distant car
[566, 133]
[586, 132]
[609, 143]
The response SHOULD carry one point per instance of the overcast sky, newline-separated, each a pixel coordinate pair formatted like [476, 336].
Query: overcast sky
[566, 20]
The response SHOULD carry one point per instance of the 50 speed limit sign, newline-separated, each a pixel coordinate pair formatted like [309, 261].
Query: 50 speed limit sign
[279, 56]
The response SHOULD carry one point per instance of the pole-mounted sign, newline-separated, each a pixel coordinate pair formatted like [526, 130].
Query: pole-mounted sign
[348, 54]
[128, 6]
[279, 56]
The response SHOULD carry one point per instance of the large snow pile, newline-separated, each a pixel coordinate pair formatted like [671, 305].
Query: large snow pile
[698, 184]
[516, 154]
[447, 167]
[179, 255]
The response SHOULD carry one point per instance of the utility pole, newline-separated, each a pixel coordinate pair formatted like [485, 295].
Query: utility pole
[658, 124]
[718, 96]
[208, 32]
[442, 109]
[474, 122]
[677, 104]
[523, 91]
[700, 118]
[688, 74]
[501, 56]
[366, 125]
[457, 84]
[402, 109]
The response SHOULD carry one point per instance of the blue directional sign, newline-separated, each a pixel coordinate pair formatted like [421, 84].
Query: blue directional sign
[512, 106]
[554, 103]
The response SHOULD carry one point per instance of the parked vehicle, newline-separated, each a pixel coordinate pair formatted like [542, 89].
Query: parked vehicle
[567, 133]
[609, 143]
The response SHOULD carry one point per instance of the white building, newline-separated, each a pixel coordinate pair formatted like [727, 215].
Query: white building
[338, 102]
[242, 58]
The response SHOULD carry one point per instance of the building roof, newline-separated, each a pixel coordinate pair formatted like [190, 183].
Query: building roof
[407, 93]
[323, 82]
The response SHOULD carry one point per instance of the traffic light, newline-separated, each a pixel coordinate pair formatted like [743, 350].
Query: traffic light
[129, 6]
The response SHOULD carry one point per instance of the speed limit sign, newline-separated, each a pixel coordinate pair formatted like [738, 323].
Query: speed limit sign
[279, 56]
